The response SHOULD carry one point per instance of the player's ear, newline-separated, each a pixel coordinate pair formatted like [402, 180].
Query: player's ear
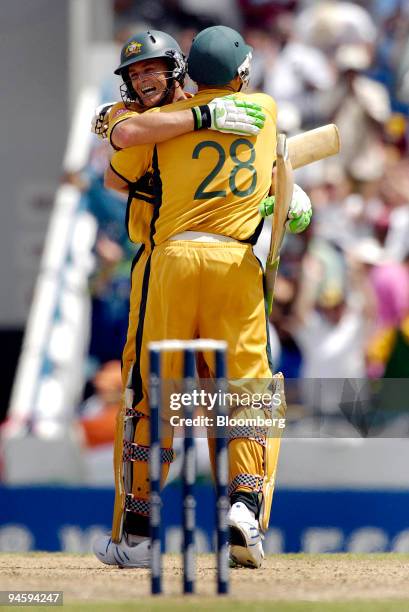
[179, 94]
[236, 83]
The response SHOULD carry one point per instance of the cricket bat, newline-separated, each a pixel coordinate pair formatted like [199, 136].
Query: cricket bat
[293, 153]
[313, 145]
[283, 194]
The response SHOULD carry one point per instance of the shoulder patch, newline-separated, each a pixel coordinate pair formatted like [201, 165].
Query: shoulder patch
[119, 112]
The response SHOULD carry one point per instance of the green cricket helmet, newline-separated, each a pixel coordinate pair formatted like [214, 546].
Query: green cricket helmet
[217, 55]
[152, 44]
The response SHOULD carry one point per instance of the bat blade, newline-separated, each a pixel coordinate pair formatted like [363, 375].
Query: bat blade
[314, 145]
[283, 196]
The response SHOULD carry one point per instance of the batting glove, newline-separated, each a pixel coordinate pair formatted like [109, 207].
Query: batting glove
[99, 122]
[229, 115]
[299, 213]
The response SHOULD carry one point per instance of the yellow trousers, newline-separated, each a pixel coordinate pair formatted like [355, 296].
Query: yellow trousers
[185, 290]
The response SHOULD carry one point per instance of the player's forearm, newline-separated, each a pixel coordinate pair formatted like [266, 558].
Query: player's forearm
[150, 128]
[228, 114]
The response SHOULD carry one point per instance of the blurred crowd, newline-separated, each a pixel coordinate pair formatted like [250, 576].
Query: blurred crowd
[342, 299]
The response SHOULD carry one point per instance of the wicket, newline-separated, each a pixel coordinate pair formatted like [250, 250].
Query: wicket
[189, 349]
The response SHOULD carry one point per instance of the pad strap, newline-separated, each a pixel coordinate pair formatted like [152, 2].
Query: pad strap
[131, 412]
[137, 505]
[258, 434]
[137, 452]
[252, 481]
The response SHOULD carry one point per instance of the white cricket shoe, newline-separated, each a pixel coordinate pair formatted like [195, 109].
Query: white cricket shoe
[122, 554]
[246, 547]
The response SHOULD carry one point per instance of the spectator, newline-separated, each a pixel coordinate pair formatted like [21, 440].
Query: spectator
[98, 412]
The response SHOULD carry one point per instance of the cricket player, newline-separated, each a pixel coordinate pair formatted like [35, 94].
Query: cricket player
[201, 237]
[153, 69]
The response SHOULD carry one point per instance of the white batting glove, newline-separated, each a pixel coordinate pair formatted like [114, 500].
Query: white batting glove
[300, 211]
[99, 122]
[230, 115]
[300, 203]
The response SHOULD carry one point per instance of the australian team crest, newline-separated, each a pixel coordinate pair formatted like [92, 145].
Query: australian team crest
[133, 48]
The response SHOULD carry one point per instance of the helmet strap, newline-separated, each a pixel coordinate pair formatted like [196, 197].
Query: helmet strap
[244, 70]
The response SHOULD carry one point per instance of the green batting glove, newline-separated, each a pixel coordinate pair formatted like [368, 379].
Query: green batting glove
[230, 115]
[266, 207]
[298, 225]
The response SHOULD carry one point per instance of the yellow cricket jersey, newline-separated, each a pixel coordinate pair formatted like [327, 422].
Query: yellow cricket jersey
[139, 210]
[206, 180]
[117, 114]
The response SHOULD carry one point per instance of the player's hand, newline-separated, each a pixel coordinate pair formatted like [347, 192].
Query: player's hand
[299, 213]
[99, 122]
[266, 207]
[234, 116]
[230, 115]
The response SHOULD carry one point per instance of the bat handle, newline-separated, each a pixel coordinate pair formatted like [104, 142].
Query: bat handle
[282, 147]
[269, 302]
[270, 279]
